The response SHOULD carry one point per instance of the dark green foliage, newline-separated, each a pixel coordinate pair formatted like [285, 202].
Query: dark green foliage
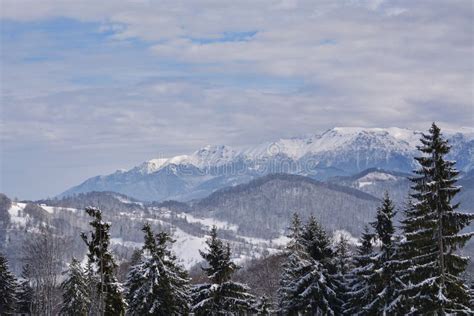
[8, 288]
[136, 257]
[25, 292]
[222, 296]
[220, 267]
[156, 284]
[360, 290]
[381, 279]
[432, 228]
[228, 298]
[383, 225]
[309, 283]
[102, 266]
[92, 281]
[76, 296]
[342, 262]
[342, 258]
[296, 263]
[317, 242]
[320, 286]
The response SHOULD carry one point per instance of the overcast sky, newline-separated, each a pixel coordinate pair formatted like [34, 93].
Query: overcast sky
[88, 87]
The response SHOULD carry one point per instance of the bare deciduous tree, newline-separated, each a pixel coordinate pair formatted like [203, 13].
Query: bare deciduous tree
[44, 254]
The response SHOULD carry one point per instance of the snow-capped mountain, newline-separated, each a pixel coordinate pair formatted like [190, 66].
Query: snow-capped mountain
[340, 151]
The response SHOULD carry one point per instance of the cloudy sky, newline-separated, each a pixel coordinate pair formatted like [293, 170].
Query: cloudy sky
[88, 87]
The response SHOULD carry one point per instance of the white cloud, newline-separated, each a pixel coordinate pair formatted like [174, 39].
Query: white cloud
[366, 54]
[310, 65]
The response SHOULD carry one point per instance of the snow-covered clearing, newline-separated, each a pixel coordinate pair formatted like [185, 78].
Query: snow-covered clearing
[209, 222]
[16, 215]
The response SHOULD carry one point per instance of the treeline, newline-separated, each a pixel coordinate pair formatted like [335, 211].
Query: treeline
[156, 283]
[414, 269]
[417, 270]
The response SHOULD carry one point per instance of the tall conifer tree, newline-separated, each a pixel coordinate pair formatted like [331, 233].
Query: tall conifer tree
[343, 265]
[25, 293]
[222, 296]
[76, 299]
[432, 229]
[309, 283]
[296, 263]
[361, 292]
[103, 267]
[382, 277]
[8, 288]
[157, 285]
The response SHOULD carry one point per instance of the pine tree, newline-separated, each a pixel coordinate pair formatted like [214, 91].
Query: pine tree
[136, 257]
[25, 293]
[308, 281]
[157, 285]
[342, 255]
[317, 242]
[92, 281]
[8, 288]
[384, 266]
[361, 291]
[102, 266]
[222, 296]
[342, 262]
[320, 285]
[296, 263]
[432, 229]
[76, 298]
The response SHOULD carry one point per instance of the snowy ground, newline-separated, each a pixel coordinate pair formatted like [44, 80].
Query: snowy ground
[187, 246]
[16, 214]
[209, 222]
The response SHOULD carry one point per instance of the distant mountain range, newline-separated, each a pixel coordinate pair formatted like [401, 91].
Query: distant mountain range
[252, 216]
[338, 152]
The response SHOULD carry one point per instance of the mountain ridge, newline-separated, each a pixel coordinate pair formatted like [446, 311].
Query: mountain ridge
[340, 151]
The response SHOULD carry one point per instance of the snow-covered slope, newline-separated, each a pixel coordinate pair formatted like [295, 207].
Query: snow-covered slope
[188, 231]
[336, 152]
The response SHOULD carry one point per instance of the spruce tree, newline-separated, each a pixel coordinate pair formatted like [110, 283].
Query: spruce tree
[25, 293]
[222, 296]
[8, 288]
[361, 292]
[76, 300]
[136, 257]
[157, 285]
[320, 285]
[102, 266]
[296, 263]
[382, 277]
[342, 255]
[92, 281]
[432, 230]
[342, 262]
[309, 283]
